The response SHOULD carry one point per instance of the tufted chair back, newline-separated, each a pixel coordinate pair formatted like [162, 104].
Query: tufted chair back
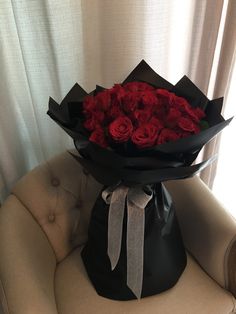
[56, 197]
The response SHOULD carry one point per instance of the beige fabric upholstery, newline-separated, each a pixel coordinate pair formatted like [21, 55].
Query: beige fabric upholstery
[46, 219]
[27, 262]
[60, 197]
[209, 231]
[194, 293]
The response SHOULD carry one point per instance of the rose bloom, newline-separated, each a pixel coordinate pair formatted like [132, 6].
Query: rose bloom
[95, 119]
[89, 104]
[117, 93]
[188, 125]
[130, 101]
[91, 124]
[121, 129]
[114, 112]
[149, 99]
[98, 137]
[173, 117]
[155, 121]
[145, 136]
[138, 86]
[199, 113]
[103, 100]
[167, 135]
[141, 116]
[164, 93]
[196, 114]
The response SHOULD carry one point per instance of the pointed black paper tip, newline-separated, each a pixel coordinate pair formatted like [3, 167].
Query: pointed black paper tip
[76, 93]
[213, 111]
[217, 103]
[99, 89]
[52, 104]
[187, 89]
[143, 72]
[58, 112]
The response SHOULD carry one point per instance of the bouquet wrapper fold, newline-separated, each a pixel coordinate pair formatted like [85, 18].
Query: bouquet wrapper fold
[134, 247]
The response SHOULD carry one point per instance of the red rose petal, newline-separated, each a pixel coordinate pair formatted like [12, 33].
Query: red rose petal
[186, 124]
[98, 137]
[167, 135]
[121, 129]
[145, 136]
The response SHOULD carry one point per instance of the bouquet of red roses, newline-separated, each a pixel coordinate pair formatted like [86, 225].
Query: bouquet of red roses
[140, 113]
[131, 138]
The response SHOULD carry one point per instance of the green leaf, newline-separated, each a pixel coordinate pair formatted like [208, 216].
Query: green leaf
[204, 125]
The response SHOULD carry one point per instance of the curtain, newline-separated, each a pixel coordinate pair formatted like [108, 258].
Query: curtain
[48, 45]
[223, 185]
[222, 83]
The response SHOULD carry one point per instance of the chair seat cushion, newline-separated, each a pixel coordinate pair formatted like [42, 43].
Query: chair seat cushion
[194, 293]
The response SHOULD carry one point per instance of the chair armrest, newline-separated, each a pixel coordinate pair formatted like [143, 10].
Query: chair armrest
[27, 263]
[209, 232]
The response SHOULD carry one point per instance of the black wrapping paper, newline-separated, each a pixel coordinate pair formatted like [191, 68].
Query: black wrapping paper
[164, 253]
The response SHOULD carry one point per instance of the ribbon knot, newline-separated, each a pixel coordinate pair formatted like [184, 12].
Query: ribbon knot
[136, 200]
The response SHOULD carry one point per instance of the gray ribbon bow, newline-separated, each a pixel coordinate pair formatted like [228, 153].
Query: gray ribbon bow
[136, 200]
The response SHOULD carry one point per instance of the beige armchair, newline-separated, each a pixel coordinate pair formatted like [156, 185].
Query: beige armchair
[43, 225]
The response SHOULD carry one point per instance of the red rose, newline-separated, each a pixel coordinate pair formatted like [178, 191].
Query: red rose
[188, 125]
[173, 117]
[156, 122]
[192, 114]
[98, 137]
[145, 136]
[142, 116]
[182, 105]
[103, 100]
[164, 100]
[164, 93]
[89, 104]
[117, 93]
[160, 112]
[99, 116]
[149, 99]
[130, 101]
[138, 86]
[94, 120]
[121, 129]
[199, 113]
[167, 135]
[91, 124]
[114, 112]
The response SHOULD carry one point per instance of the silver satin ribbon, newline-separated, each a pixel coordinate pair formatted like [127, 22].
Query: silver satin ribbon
[136, 200]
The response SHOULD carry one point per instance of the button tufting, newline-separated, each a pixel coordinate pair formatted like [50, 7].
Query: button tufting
[55, 182]
[51, 218]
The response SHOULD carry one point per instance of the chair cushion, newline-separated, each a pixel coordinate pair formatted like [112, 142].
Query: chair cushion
[60, 197]
[195, 293]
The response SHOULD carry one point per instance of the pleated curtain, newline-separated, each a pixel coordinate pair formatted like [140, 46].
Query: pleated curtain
[48, 45]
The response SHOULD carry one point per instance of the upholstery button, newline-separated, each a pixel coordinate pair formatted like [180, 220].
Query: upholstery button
[55, 182]
[85, 172]
[51, 218]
